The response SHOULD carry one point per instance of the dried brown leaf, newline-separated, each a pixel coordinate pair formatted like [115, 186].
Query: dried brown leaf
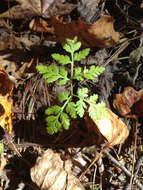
[129, 103]
[112, 128]
[15, 13]
[45, 8]
[50, 172]
[99, 34]
[26, 9]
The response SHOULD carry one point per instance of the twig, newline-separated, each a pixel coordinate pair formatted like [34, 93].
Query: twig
[138, 164]
[134, 156]
[121, 48]
[92, 163]
[13, 147]
[124, 169]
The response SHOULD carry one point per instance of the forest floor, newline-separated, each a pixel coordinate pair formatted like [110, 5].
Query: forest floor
[30, 31]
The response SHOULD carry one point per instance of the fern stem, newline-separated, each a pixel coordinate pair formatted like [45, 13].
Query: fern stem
[71, 78]
[63, 107]
[85, 100]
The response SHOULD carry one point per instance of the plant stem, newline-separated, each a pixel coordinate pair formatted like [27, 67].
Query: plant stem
[85, 100]
[71, 78]
[63, 107]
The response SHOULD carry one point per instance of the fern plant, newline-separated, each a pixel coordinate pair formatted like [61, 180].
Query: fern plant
[58, 117]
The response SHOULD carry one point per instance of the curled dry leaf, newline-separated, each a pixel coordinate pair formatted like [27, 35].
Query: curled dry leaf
[129, 103]
[112, 128]
[51, 173]
[99, 34]
[6, 102]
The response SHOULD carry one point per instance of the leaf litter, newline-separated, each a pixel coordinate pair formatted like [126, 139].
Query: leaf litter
[114, 36]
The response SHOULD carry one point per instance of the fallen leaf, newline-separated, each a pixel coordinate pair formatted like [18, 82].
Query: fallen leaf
[99, 34]
[51, 172]
[112, 128]
[40, 25]
[129, 103]
[44, 8]
[6, 102]
[28, 8]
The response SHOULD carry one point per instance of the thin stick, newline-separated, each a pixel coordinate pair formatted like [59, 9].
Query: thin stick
[92, 163]
[134, 156]
[128, 173]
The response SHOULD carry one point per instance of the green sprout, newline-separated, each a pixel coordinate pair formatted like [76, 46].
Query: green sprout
[58, 117]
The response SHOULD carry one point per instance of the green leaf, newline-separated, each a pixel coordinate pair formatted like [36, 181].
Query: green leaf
[63, 59]
[1, 148]
[53, 110]
[51, 73]
[50, 130]
[78, 74]
[67, 47]
[93, 98]
[71, 109]
[62, 96]
[62, 82]
[80, 107]
[93, 72]
[65, 120]
[52, 78]
[92, 112]
[41, 68]
[76, 46]
[78, 56]
[101, 110]
[71, 45]
[74, 40]
[63, 72]
[83, 93]
[53, 124]
[98, 111]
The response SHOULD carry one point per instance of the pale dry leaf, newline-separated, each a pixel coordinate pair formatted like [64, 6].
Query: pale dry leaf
[51, 173]
[112, 128]
[4, 180]
[46, 4]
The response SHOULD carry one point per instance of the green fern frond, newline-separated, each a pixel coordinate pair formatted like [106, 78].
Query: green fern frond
[80, 107]
[65, 121]
[71, 109]
[83, 93]
[78, 56]
[93, 72]
[63, 59]
[58, 117]
[62, 96]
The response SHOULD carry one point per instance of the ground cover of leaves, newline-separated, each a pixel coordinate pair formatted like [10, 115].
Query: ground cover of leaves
[113, 31]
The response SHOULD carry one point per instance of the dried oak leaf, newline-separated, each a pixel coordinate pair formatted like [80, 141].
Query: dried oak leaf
[6, 102]
[112, 128]
[99, 34]
[52, 173]
[129, 103]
